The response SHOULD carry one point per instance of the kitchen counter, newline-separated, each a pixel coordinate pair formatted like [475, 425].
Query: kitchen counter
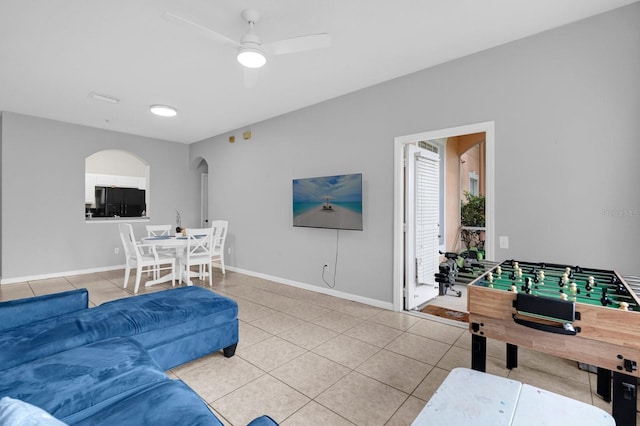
[117, 219]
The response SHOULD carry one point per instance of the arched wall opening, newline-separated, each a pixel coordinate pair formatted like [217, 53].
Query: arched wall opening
[116, 169]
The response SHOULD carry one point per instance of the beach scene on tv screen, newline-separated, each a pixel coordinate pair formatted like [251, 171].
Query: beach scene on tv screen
[328, 202]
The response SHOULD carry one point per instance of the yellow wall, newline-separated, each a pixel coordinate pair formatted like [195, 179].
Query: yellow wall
[452, 209]
[471, 149]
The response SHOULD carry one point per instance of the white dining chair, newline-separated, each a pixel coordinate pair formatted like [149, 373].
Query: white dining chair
[135, 256]
[197, 253]
[219, 237]
[159, 231]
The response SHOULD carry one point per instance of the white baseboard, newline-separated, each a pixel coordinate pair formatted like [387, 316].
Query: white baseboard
[304, 286]
[317, 289]
[58, 274]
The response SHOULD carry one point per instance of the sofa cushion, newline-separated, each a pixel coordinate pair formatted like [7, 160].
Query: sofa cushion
[19, 312]
[193, 308]
[193, 321]
[172, 307]
[170, 403]
[81, 381]
[16, 412]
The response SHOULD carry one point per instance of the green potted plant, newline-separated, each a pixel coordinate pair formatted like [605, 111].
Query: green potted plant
[472, 215]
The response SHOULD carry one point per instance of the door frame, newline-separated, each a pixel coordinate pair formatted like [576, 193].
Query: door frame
[399, 142]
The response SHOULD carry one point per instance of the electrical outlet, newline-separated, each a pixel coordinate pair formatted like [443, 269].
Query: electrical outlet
[504, 242]
[116, 250]
[228, 250]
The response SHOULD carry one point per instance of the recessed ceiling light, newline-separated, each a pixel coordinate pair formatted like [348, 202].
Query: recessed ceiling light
[163, 110]
[104, 98]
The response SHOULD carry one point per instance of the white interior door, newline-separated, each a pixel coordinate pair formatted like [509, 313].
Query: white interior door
[204, 200]
[422, 209]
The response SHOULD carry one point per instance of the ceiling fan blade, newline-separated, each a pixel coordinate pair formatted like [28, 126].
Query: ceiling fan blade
[250, 77]
[202, 29]
[298, 44]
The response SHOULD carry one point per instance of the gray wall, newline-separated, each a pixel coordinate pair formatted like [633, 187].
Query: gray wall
[565, 103]
[43, 164]
[1, 117]
[115, 162]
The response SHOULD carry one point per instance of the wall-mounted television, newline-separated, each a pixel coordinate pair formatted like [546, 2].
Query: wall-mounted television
[333, 202]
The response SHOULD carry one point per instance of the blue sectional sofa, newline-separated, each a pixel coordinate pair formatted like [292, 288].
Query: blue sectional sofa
[175, 326]
[106, 365]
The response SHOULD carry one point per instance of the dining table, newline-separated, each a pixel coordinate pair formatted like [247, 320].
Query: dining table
[175, 242]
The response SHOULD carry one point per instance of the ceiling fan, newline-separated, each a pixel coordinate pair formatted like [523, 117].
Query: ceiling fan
[251, 52]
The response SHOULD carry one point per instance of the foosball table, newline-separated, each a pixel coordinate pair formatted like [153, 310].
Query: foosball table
[587, 315]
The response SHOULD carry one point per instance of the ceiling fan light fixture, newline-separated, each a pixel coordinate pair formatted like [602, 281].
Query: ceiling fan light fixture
[163, 110]
[251, 57]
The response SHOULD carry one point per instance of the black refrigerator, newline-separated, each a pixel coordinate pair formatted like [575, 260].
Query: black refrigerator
[123, 202]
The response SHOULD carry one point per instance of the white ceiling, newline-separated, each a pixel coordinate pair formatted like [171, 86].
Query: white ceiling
[54, 53]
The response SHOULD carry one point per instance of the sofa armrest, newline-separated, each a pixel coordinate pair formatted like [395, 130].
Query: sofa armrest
[19, 312]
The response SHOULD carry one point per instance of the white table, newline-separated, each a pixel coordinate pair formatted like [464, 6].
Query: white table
[166, 241]
[469, 397]
[175, 242]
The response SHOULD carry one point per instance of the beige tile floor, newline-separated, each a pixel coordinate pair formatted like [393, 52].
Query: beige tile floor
[306, 358]
[450, 301]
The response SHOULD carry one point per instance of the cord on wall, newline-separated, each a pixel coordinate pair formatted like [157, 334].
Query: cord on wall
[335, 264]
